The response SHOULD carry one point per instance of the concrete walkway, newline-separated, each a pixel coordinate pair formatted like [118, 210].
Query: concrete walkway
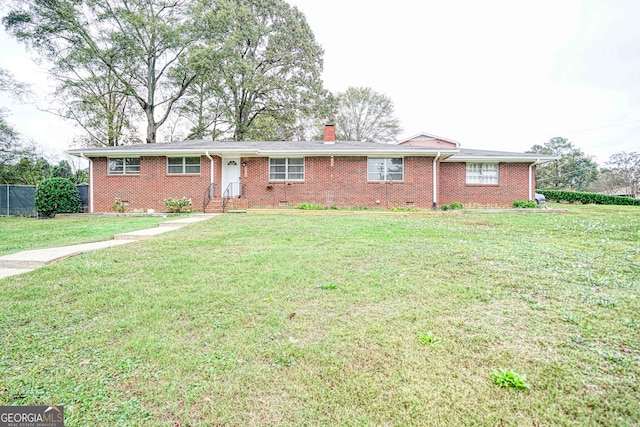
[21, 262]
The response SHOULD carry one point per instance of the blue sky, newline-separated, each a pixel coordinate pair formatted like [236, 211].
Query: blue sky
[501, 75]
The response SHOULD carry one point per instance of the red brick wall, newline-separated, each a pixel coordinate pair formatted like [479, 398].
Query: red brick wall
[345, 181]
[149, 189]
[513, 184]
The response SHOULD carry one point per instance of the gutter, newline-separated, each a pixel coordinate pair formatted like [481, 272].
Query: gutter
[90, 181]
[206, 153]
[531, 189]
[435, 186]
[263, 152]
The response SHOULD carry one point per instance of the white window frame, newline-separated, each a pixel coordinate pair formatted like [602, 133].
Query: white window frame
[386, 173]
[482, 173]
[287, 169]
[184, 165]
[124, 168]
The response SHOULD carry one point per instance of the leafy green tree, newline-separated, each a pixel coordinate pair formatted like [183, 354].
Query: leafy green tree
[140, 43]
[80, 176]
[261, 62]
[365, 115]
[29, 170]
[61, 170]
[573, 170]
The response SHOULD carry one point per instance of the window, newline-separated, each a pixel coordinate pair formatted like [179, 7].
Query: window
[482, 173]
[123, 166]
[183, 165]
[385, 169]
[290, 169]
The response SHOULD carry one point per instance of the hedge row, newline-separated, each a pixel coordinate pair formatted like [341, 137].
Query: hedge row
[588, 198]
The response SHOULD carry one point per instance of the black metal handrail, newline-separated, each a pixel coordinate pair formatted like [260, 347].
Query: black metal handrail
[233, 190]
[208, 195]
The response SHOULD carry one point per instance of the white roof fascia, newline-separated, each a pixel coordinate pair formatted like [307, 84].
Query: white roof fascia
[160, 152]
[391, 150]
[500, 159]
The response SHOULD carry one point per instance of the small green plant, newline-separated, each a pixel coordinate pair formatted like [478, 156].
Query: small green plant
[310, 207]
[284, 360]
[407, 209]
[452, 206]
[329, 286]
[524, 204]
[118, 205]
[509, 378]
[178, 205]
[428, 339]
[57, 195]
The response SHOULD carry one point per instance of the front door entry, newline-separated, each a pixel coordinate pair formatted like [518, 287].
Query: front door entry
[230, 177]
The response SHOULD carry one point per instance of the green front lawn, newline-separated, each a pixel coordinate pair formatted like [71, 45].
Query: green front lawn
[21, 234]
[338, 320]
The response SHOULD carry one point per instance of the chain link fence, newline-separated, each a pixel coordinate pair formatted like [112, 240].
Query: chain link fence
[20, 199]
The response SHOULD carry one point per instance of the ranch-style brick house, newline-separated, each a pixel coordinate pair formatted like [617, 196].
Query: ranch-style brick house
[424, 171]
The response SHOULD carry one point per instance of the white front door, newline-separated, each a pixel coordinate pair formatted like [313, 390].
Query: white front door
[230, 176]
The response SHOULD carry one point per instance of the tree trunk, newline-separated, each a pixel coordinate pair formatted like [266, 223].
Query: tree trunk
[151, 126]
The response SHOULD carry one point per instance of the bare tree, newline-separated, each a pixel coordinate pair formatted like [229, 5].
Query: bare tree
[365, 115]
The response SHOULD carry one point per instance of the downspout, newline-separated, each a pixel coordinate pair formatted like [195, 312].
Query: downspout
[211, 189]
[531, 189]
[435, 186]
[90, 181]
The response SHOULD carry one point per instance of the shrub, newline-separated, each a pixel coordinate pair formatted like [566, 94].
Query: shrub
[57, 195]
[310, 207]
[117, 205]
[524, 204]
[588, 198]
[452, 206]
[178, 205]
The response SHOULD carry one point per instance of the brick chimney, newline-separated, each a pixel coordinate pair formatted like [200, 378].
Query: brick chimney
[329, 134]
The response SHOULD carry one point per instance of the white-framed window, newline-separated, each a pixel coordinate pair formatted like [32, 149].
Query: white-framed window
[183, 165]
[123, 166]
[385, 169]
[482, 173]
[286, 169]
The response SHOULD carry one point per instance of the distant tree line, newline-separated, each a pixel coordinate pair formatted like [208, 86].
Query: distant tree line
[577, 171]
[21, 163]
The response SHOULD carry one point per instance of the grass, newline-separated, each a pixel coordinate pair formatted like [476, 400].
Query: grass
[21, 234]
[229, 322]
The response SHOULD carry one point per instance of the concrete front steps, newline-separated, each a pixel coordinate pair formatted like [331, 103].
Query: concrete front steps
[234, 204]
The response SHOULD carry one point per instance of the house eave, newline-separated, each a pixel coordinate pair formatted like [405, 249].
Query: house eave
[390, 150]
[499, 159]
